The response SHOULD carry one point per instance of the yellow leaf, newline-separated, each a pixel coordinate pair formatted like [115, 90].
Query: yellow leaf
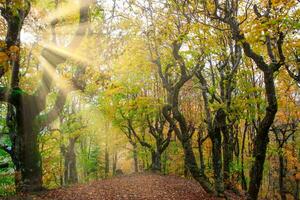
[2, 44]
[297, 176]
[14, 49]
[3, 57]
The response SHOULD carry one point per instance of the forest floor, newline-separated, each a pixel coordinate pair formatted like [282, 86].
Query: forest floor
[131, 187]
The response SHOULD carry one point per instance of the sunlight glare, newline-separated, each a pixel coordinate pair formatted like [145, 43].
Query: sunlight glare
[66, 52]
[62, 83]
[67, 10]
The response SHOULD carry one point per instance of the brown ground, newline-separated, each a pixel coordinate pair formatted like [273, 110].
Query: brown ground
[132, 187]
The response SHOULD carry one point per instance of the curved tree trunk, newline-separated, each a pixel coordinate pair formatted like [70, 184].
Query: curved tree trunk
[191, 165]
[262, 138]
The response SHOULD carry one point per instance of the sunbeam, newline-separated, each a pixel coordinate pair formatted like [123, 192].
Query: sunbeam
[67, 53]
[62, 83]
[69, 9]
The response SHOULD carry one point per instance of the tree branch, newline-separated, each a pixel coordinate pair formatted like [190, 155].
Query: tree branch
[49, 117]
[163, 76]
[54, 58]
[143, 143]
[292, 75]
[166, 112]
[167, 141]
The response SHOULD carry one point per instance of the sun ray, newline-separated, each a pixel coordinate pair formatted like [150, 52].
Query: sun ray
[67, 10]
[62, 83]
[67, 53]
[65, 85]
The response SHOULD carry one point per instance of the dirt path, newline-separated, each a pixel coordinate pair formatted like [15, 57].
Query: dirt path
[133, 187]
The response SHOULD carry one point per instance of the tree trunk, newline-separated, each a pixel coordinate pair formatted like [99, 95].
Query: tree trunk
[30, 164]
[215, 136]
[106, 172]
[202, 165]
[262, 137]
[27, 158]
[201, 158]
[217, 163]
[296, 194]
[185, 140]
[20, 117]
[243, 178]
[115, 160]
[135, 158]
[282, 176]
[61, 169]
[227, 155]
[191, 164]
[214, 133]
[165, 159]
[156, 161]
[70, 173]
[256, 172]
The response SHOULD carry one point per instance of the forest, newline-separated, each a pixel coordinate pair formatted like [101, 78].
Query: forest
[200, 97]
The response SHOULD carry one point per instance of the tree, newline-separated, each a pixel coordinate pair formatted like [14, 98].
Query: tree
[174, 73]
[156, 129]
[25, 116]
[284, 128]
[226, 12]
[72, 125]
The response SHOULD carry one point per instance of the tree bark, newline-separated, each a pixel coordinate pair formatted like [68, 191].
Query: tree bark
[189, 157]
[262, 137]
[106, 170]
[216, 138]
[114, 165]
[156, 161]
[282, 176]
[244, 183]
[227, 152]
[296, 194]
[191, 165]
[201, 157]
[135, 158]
[70, 172]
[27, 158]
[164, 165]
